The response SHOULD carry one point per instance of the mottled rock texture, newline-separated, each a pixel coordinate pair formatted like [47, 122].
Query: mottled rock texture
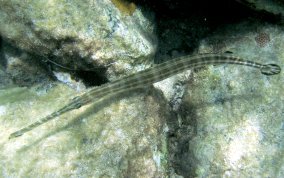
[231, 118]
[120, 137]
[19, 68]
[81, 34]
[227, 121]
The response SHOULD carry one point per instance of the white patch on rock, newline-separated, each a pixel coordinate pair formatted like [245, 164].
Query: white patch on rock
[173, 88]
[66, 78]
[245, 144]
[2, 110]
[167, 85]
[157, 157]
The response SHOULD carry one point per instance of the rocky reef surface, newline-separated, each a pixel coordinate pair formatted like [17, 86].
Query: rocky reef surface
[81, 34]
[231, 118]
[121, 137]
[216, 121]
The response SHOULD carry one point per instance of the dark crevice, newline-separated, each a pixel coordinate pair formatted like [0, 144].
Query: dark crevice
[180, 27]
[3, 62]
[182, 24]
[90, 76]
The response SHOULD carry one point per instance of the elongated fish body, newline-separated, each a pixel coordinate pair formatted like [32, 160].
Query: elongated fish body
[147, 77]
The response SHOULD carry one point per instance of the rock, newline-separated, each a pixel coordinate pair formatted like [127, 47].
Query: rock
[81, 34]
[275, 7]
[120, 137]
[173, 88]
[68, 80]
[227, 122]
[231, 118]
[19, 68]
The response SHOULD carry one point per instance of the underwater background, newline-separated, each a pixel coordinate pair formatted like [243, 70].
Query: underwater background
[213, 121]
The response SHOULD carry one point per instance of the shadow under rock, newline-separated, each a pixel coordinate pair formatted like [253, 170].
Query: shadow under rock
[184, 160]
[3, 62]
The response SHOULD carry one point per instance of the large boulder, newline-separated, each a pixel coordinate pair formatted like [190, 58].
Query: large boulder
[81, 34]
[121, 137]
[231, 117]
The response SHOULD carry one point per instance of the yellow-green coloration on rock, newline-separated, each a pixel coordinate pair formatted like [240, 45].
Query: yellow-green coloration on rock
[125, 7]
[14, 94]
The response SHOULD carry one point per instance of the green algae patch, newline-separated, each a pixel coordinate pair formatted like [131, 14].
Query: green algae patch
[11, 95]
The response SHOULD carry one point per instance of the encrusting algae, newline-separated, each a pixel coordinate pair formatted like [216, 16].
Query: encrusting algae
[125, 7]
